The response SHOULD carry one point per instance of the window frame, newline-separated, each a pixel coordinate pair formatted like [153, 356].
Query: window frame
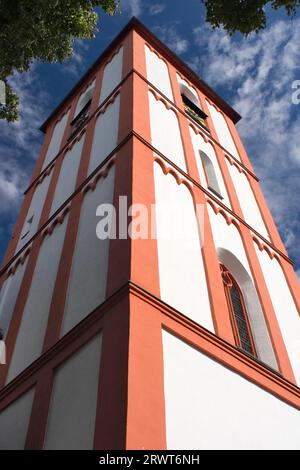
[81, 117]
[206, 159]
[194, 112]
[228, 281]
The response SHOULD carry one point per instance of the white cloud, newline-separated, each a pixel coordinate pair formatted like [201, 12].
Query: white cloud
[132, 7]
[12, 180]
[75, 66]
[258, 73]
[20, 141]
[157, 8]
[172, 38]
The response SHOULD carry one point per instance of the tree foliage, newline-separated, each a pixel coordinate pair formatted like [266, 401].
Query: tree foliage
[245, 16]
[42, 30]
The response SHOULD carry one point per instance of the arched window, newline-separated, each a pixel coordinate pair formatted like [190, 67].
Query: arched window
[85, 99]
[190, 94]
[238, 313]
[82, 110]
[192, 105]
[211, 177]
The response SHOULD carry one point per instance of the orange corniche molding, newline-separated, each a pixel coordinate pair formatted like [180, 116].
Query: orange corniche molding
[179, 325]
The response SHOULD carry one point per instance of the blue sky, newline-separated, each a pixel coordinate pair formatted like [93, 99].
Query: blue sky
[254, 75]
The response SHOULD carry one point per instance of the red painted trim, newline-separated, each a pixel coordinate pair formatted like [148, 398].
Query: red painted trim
[39, 413]
[26, 202]
[19, 307]
[139, 28]
[191, 164]
[292, 281]
[158, 313]
[207, 135]
[120, 249]
[12, 245]
[29, 194]
[267, 217]
[238, 143]
[38, 422]
[64, 269]
[211, 266]
[146, 422]
[43, 152]
[56, 172]
[143, 252]
[265, 212]
[230, 189]
[111, 415]
[267, 306]
[130, 412]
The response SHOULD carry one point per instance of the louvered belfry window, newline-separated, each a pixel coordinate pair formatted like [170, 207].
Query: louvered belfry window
[238, 313]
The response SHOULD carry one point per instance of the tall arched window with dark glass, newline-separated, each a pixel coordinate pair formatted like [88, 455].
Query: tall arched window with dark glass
[238, 313]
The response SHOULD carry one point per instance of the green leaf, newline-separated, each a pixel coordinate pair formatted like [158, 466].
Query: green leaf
[45, 31]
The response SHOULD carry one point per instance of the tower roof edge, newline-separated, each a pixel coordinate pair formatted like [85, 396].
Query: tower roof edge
[136, 24]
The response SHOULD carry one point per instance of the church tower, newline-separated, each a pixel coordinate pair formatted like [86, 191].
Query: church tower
[185, 335]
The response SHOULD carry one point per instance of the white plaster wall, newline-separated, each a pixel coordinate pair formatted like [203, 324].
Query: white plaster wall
[165, 132]
[231, 253]
[87, 285]
[106, 134]
[157, 73]
[56, 140]
[8, 296]
[72, 413]
[31, 333]
[35, 211]
[247, 201]
[84, 98]
[199, 144]
[68, 174]
[181, 271]
[223, 131]
[285, 308]
[112, 75]
[210, 407]
[14, 421]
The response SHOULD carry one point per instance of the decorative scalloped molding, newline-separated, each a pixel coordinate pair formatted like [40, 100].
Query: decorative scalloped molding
[101, 174]
[218, 210]
[58, 220]
[84, 89]
[61, 116]
[72, 143]
[165, 102]
[215, 106]
[263, 247]
[108, 103]
[20, 261]
[113, 55]
[188, 83]
[200, 132]
[43, 176]
[169, 170]
[156, 53]
[236, 165]
[77, 137]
